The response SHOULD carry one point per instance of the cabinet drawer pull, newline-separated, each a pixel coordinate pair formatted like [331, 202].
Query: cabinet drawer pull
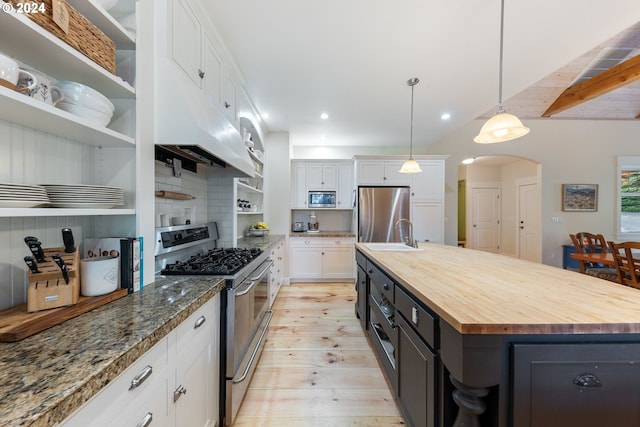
[587, 380]
[370, 270]
[141, 377]
[199, 322]
[386, 286]
[146, 421]
[178, 393]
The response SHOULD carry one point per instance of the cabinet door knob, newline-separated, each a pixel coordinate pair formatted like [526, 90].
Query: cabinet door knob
[226, 105]
[386, 286]
[177, 393]
[201, 74]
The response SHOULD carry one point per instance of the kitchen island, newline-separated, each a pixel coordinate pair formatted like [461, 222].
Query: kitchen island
[501, 341]
[46, 377]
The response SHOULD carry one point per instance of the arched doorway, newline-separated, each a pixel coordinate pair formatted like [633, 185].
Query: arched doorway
[500, 210]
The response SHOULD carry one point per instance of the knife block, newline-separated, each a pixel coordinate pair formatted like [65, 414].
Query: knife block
[48, 288]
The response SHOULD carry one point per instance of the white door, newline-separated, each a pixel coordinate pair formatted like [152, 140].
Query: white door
[529, 245]
[485, 227]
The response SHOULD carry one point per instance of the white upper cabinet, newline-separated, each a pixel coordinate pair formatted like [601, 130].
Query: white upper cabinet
[186, 41]
[322, 176]
[345, 196]
[230, 103]
[299, 185]
[213, 70]
[381, 172]
[429, 184]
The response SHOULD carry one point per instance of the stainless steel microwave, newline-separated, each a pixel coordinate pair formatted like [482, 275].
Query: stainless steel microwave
[322, 199]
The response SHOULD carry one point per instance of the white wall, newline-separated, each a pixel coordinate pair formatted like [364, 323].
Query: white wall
[277, 182]
[582, 152]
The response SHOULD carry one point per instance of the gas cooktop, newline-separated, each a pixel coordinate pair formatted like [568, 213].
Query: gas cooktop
[217, 262]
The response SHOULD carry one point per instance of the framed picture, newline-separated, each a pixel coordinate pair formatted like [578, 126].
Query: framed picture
[580, 197]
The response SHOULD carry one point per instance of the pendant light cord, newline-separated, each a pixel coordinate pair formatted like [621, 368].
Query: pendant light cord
[500, 108]
[411, 127]
[411, 82]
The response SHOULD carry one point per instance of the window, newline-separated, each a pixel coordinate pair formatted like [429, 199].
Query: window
[628, 205]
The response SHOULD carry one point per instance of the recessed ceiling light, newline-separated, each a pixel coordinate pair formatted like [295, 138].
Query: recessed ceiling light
[324, 116]
[445, 116]
[468, 161]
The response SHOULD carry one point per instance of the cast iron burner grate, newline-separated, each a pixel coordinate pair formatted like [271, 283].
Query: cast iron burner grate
[217, 262]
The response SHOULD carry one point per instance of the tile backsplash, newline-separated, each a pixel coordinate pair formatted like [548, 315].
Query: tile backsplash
[191, 183]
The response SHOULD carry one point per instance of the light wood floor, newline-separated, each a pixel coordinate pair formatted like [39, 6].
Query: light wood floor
[317, 368]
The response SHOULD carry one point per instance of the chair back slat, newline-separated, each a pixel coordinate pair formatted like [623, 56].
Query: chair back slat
[627, 257]
[584, 242]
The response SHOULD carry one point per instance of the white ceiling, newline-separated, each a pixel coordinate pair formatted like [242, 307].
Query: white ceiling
[352, 58]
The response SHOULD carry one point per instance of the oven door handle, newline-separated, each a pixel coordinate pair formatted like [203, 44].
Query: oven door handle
[251, 282]
[255, 350]
[259, 275]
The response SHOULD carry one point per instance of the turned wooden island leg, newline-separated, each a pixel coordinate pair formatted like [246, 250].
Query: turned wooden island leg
[469, 400]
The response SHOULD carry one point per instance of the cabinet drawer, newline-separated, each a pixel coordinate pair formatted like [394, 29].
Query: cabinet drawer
[197, 329]
[417, 316]
[303, 242]
[589, 385]
[381, 281]
[117, 395]
[338, 242]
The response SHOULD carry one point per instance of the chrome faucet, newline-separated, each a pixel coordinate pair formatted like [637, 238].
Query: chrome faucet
[410, 241]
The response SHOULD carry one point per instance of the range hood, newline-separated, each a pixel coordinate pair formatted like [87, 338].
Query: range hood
[186, 121]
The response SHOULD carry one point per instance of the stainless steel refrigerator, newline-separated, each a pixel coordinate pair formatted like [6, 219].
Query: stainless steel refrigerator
[379, 209]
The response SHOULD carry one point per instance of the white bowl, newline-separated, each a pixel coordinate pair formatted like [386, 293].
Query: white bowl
[84, 96]
[178, 220]
[94, 116]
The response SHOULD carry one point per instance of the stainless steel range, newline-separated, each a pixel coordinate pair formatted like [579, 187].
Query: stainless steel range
[191, 250]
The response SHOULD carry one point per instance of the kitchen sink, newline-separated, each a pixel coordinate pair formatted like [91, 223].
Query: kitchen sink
[390, 247]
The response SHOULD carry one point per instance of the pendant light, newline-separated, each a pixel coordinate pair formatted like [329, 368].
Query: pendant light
[502, 126]
[411, 166]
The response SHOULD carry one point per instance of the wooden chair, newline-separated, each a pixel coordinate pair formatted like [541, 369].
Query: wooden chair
[584, 242]
[627, 256]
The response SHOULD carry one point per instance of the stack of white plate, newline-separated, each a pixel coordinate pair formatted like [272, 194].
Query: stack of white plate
[22, 195]
[84, 196]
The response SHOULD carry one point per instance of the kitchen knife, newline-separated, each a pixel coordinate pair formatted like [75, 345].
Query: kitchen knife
[67, 238]
[63, 267]
[36, 248]
[31, 263]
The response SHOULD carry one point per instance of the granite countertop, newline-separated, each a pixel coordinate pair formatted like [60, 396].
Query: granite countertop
[47, 376]
[322, 234]
[263, 243]
[479, 292]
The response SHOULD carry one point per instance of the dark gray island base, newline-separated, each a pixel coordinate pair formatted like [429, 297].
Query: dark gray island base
[467, 338]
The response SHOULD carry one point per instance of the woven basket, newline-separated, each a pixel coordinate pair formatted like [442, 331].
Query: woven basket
[83, 35]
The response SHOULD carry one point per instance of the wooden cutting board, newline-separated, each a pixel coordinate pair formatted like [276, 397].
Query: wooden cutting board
[16, 323]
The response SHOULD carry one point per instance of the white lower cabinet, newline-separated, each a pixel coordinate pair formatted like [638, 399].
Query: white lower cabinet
[173, 384]
[322, 258]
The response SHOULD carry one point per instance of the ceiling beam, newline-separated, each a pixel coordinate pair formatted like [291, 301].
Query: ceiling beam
[616, 77]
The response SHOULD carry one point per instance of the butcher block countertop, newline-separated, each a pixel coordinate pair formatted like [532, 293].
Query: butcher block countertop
[45, 377]
[483, 293]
